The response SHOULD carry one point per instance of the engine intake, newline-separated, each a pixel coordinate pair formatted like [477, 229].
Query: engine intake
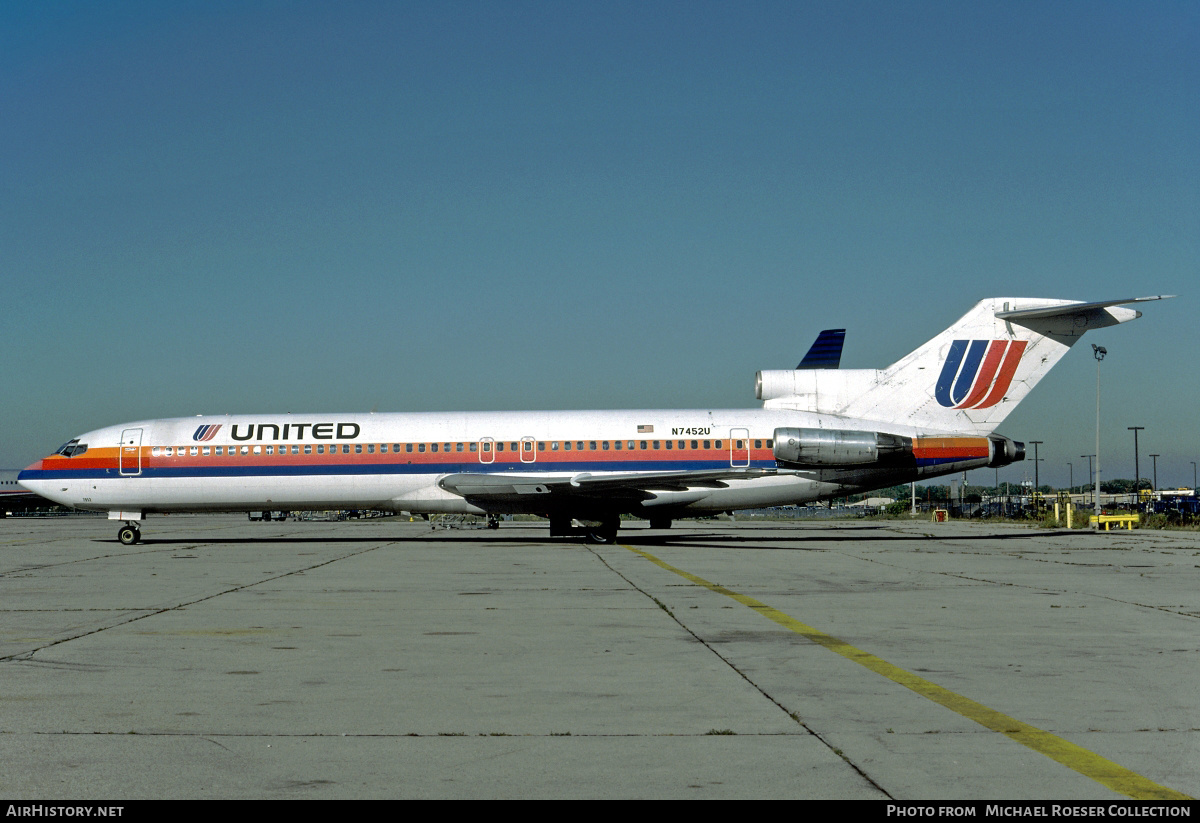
[838, 447]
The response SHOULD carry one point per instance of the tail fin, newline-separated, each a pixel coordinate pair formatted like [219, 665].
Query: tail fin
[826, 350]
[968, 378]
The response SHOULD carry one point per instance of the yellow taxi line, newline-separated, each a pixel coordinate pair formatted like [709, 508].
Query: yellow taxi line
[1089, 764]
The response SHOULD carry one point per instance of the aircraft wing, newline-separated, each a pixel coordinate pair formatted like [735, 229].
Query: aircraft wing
[585, 485]
[13, 500]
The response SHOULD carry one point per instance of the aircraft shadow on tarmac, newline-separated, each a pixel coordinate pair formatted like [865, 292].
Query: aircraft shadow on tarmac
[780, 541]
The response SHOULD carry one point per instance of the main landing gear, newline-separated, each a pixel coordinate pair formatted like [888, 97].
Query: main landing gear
[603, 530]
[604, 533]
[130, 534]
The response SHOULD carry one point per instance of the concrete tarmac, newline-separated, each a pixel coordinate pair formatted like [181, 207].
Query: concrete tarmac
[901, 660]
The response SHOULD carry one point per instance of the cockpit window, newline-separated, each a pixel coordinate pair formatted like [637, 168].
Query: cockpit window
[72, 448]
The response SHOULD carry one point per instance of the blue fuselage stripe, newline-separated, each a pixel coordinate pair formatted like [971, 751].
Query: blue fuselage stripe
[344, 469]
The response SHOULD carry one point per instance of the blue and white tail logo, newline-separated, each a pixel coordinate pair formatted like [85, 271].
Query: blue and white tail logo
[978, 373]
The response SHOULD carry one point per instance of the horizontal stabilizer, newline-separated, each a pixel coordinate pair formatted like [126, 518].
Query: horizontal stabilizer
[1073, 309]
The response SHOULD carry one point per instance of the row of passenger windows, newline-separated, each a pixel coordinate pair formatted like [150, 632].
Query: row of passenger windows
[522, 446]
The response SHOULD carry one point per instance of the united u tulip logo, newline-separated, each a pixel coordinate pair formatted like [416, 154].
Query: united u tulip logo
[977, 373]
[205, 433]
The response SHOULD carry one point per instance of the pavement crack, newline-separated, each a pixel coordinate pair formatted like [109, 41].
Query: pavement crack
[28, 654]
[733, 667]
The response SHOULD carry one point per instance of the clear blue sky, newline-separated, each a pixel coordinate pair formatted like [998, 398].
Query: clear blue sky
[211, 207]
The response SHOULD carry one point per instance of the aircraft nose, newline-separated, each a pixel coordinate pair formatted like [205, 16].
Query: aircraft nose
[30, 472]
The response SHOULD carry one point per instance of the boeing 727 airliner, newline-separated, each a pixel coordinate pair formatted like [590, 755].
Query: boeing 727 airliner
[822, 432]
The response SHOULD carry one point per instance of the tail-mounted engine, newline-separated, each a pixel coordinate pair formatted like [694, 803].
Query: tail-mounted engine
[842, 448]
[1005, 450]
[839, 447]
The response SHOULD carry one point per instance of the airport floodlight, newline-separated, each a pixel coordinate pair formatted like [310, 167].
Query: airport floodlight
[1155, 457]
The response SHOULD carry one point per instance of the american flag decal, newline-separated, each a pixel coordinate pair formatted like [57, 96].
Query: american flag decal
[645, 430]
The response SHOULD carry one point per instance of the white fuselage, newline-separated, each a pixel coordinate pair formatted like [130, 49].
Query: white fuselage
[394, 461]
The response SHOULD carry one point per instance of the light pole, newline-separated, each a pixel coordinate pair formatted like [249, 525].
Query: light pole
[1037, 497]
[1071, 469]
[1137, 476]
[1155, 457]
[1089, 457]
[1194, 483]
[1099, 352]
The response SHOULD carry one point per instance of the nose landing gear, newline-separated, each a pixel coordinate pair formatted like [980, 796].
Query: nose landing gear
[129, 534]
